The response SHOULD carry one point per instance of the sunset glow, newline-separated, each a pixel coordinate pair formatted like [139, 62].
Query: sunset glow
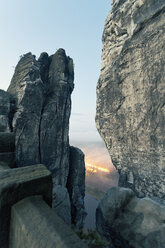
[95, 168]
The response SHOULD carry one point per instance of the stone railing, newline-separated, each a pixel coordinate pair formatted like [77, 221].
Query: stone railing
[26, 217]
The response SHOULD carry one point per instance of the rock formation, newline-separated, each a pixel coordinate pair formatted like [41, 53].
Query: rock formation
[128, 221]
[61, 203]
[130, 94]
[76, 186]
[4, 111]
[41, 91]
[37, 109]
[7, 150]
[25, 206]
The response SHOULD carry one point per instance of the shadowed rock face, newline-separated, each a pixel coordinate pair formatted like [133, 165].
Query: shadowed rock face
[42, 94]
[130, 94]
[27, 91]
[76, 186]
[40, 107]
[17, 184]
[61, 203]
[4, 111]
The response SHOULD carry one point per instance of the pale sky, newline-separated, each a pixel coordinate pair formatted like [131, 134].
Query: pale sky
[46, 25]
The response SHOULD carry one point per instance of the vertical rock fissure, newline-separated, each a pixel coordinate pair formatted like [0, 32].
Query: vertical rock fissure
[44, 63]
[39, 136]
[62, 148]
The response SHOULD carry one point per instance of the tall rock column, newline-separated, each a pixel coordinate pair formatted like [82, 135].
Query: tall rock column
[40, 107]
[41, 91]
[76, 186]
[27, 94]
[54, 126]
[131, 94]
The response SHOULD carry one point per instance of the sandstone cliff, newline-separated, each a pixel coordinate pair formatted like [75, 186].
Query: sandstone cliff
[131, 93]
[41, 91]
[39, 98]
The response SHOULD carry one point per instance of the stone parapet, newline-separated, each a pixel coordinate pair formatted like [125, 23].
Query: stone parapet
[15, 185]
[42, 227]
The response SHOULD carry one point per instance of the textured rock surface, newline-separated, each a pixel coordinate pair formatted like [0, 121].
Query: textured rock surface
[54, 127]
[16, 184]
[129, 221]
[7, 148]
[40, 106]
[76, 186]
[8, 158]
[41, 227]
[4, 111]
[7, 142]
[41, 92]
[61, 203]
[27, 90]
[131, 94]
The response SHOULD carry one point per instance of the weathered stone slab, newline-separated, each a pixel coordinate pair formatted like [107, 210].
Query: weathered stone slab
[34, 224]
[16, 184]
[7, 142]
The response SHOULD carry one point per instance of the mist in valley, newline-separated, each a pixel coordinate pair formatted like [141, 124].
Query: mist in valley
[100, 172]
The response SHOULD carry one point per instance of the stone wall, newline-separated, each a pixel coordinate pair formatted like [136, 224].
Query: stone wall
[26, 216]
[41, 227]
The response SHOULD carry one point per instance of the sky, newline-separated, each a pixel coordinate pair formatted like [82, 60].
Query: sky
[46, 25]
